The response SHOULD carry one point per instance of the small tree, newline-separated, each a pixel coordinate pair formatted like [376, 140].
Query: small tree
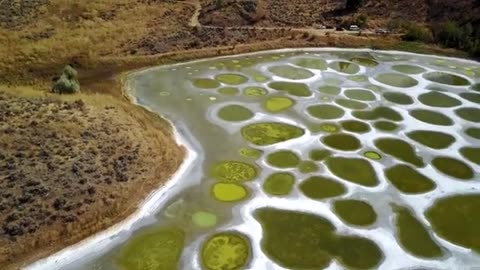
[67, 83]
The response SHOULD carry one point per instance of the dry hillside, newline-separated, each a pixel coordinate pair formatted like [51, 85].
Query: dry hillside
[72, 167]
[39, 37]
[330, 12]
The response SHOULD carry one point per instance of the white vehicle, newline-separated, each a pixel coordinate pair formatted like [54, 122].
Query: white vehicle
[354, 27]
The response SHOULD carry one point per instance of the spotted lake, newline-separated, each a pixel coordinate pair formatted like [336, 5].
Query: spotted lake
[312, 159]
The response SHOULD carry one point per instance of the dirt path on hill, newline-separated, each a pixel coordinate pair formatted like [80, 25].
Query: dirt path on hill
[198, 8]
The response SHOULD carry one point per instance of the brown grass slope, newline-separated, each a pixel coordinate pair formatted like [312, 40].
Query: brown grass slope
[70, 167]
[80, 32]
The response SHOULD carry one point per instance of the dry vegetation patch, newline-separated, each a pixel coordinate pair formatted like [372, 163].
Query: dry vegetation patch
[230, 13]
[197, 38]
[71, 168]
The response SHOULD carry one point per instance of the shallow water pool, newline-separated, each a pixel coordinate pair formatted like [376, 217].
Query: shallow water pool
[313, 159]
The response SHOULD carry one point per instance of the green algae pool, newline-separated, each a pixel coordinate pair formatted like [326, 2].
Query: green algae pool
[312, 159]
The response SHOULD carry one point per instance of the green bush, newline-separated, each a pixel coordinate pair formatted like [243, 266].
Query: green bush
[70, 72]
[417, 32]
[67, 83]
[398, 24]
[450, 34]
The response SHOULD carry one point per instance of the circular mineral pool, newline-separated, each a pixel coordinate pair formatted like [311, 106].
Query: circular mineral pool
[308, 167]
[342, 141]
[231, 78]
[235, 113]
[453, 167]
[344, 67]
[355, 212]
[271, 133]
[278, 104]
[408, 180]
[228, 91]
[292, 73]
[311, 63]
[360, 94]
[398, 98]
[469, 114]
[372, 155]
[408, 69]
[355, 126]
[446, 78]
[396, 80]
[204, 219]
[234, 171]
[279, 184]
[255, 91]
[325, 111]
[283, 159]
[431, 117]
[205, 83]
[472, 97]
[226, 251]
[229, 192]
[355, 170]
[159, 248]
[318, 188]
[385, 126]
[291, 88]
[437, 99]
[473, 132]
[455, 218]
[329, 89]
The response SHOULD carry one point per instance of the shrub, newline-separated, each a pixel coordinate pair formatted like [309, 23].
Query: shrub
[70, 72]
[67, 83]
[417, 32]
[398, 24]
[453, 35]
[448, 34]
